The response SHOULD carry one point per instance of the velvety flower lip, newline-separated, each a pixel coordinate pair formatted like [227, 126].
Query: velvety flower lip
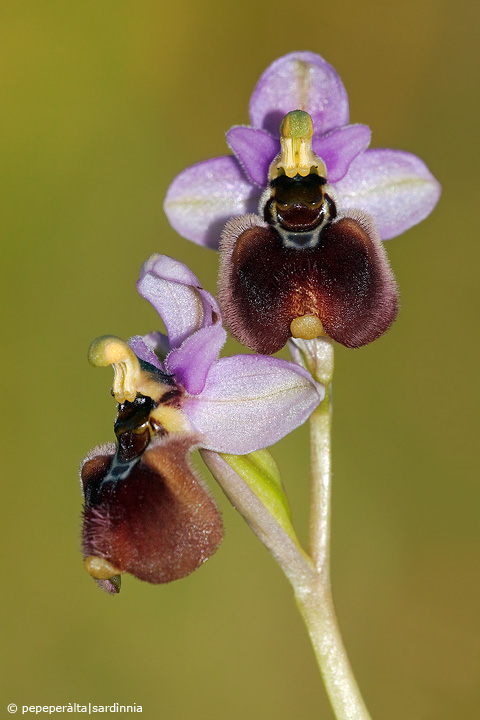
[157, 522]
[394, 187]
[239, 404]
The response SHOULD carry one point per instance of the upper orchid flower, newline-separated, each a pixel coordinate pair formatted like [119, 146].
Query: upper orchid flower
[394, 187]
[145, 510]
[311, 262]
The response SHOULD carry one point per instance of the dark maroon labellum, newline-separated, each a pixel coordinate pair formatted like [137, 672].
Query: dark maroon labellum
[304, 260]
[149, 516]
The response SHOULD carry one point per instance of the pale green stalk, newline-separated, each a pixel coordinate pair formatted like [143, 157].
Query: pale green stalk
[309, 576]
[316, 605]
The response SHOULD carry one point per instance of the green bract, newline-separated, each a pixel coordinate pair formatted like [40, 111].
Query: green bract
[260, 472]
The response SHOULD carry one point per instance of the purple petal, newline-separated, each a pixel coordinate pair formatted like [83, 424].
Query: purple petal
[159, 343]
[251, 401]
[191, 362]
[203, 197]
[144, 350]
[339, 148]
[395, 187]
[255, 150]
[177, 296]
[299, 81]
[296, 350]
[170, 269]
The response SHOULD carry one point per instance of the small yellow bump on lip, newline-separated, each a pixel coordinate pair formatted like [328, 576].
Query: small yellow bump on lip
[306, 327]
[100, 568]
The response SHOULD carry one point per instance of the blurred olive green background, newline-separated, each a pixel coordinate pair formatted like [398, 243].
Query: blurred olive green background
[103, 103]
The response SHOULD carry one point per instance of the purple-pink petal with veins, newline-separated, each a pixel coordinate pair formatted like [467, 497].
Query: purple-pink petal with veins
[176, 294]
[158, 341]
[340, 147]
[395, 187]
[170, 269]
[254, 150]
[203, 197]
[191, 362]
[144, 350]
[251, 401]
[299, 81]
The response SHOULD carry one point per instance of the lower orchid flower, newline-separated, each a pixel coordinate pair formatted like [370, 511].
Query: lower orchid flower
[146, 511]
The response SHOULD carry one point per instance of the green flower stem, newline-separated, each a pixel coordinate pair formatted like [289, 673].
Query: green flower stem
[309, 576]
[316, 605]
[320, 483]
[318, 612]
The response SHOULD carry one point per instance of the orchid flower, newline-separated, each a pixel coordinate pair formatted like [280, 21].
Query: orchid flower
[146, 512]
[394, 187]
[302, 256]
